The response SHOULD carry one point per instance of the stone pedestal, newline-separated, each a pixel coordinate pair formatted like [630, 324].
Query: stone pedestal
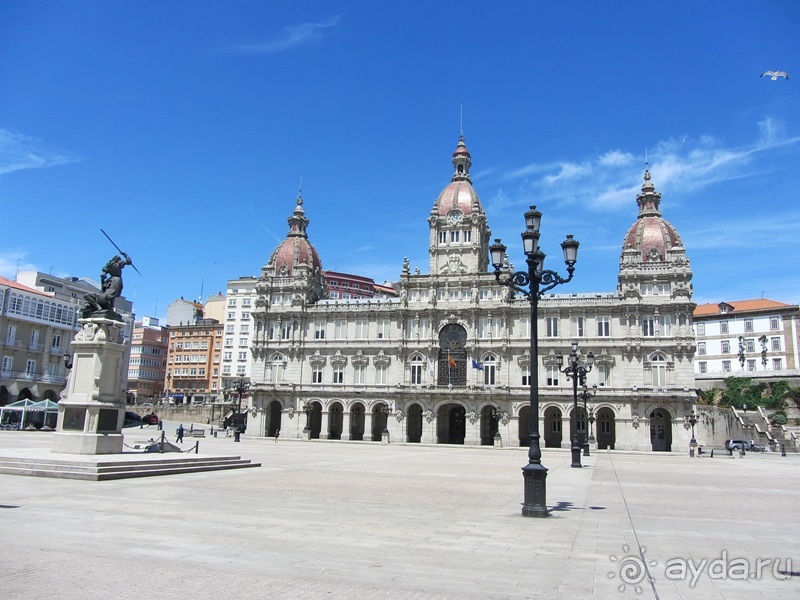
[92, 408]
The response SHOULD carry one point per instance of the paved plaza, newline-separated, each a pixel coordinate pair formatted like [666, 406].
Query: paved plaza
[356, 520]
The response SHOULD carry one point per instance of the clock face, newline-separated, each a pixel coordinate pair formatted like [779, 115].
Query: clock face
[454, 217]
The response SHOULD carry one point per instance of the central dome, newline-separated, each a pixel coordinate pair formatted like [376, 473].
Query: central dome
[295, 251]
[651, 236]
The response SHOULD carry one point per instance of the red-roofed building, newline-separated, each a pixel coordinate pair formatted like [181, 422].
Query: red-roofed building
[36, 330]
[753, 338]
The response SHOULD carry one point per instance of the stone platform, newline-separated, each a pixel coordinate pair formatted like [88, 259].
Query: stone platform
[40, 463]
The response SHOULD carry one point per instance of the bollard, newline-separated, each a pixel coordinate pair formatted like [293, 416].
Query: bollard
[691, 452]
[161, 445]
[712, 453]
[783, 450]
[197, 447]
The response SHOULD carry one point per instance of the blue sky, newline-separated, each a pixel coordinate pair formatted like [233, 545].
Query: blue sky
[184, 128]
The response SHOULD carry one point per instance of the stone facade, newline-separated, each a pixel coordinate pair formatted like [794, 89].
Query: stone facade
[448, 361]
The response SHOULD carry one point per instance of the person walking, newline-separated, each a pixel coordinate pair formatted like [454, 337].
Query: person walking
[277, 435]
[179, 439]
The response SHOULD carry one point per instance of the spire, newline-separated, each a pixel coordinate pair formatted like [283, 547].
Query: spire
[298, 221]
[462, 161]
[649, 199]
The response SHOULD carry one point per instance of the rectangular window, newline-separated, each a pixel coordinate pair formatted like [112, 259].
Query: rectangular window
[316, 374]
[551, 324]
[777, 364]
[229, 342]
[665, 325]
[703, 366]
[648, 326]
[774, 323]
[723, 327]
[424, 327]
[489, 373]
[361, 329]
[497, 325]
[604, 375]
[663, 289]
[647, 289]
[8, 364]
[751, 364]
[442, 237]
[726, 366]
[319, 330]
[483, 327]
[241, 370]
[748, 325]
[454, 236]
[383, 329]
[410, 328]
[552, 376]
[242, 342]
[525, 328]
[775, 343]
[338, 374]
[56, 342]
[11, 335]
[576, 327]
[225, 356]
[271, 330]
[359, 374]
[726, 347]
[701, 329]
[286, 331]
[750, 345]
[229, 328]
[526, 374]
[242, 355]
[603, 326]
[30, 368]
[244, 328]
[701, 348]
[340, 329]
[381, 375]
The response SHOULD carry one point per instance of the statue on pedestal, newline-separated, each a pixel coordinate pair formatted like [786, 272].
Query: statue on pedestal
[111, 284]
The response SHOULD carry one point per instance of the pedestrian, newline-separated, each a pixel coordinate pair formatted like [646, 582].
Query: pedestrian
[277, 435]
[179, 439]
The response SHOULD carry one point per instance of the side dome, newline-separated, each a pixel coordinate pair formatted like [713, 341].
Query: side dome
[651, 237]
[459, 195]
[295, 252]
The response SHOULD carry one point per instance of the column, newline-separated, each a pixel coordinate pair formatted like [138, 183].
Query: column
[346, 425]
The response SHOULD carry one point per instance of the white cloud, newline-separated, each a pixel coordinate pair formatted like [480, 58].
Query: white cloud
[18, 152]
[611, 179]
[13, 260]
[292, 37]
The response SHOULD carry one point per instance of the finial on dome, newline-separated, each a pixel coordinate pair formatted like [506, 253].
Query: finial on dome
[300, 193]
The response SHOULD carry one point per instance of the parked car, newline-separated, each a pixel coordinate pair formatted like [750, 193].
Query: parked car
[131, 419]
[737, 444]
[151, 419]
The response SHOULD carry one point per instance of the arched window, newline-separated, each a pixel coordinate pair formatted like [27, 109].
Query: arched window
[658, 364]
[417, 368]
[276, 368]
[489, 369]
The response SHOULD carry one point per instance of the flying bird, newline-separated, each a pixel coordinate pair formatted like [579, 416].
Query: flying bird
[775, 74]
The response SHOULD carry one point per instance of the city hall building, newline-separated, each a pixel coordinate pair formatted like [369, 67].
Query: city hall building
[448, 360]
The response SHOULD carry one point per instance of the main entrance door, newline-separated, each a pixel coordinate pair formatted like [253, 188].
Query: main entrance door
[660, 430]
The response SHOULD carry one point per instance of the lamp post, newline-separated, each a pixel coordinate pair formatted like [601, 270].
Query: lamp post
[386, 410]
[691, 419]
[585, 395]
[240, 387]
[532, 284]
[577, 372]
[497, 416]
[308, 408]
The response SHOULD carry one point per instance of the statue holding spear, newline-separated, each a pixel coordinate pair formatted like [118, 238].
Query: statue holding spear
[110, 283]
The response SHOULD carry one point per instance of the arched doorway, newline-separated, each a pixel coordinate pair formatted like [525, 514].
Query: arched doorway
[335, 421]
[452, 355]
[451, 426]
[661, 430]
[25, 394]
[552, 427]
[315, 420]
[414, 423]
[273, 424]
[380, 421]
[525, 426]
[489, 426]
[606, 429]
[4, 396]
[49, 395]
[357, 421]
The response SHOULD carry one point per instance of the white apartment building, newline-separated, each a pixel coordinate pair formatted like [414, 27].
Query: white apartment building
[747, 338]
[353, 369]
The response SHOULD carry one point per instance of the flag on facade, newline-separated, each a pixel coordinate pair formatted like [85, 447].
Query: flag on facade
[451, 360]
[476, 365]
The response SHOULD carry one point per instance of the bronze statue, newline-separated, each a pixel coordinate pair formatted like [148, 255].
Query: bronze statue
[111, 285]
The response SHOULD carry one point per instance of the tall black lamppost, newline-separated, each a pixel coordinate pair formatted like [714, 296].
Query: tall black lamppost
[585, 395]
[386, 411]
[241, 386]
[308, 408]
[691, 419]
[577, 372]
[532, 284]
[497, 416]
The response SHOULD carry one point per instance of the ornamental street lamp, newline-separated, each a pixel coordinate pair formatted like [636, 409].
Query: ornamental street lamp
[691, 419]
[577, 372]
[532, 285]
[386, 411]
[497, 416]
[585, 396]
[240, 387]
